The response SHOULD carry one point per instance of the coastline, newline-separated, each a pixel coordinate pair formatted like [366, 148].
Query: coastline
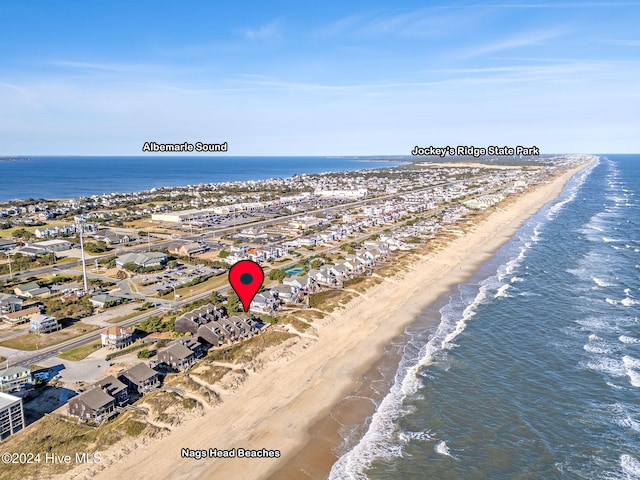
[267, 412]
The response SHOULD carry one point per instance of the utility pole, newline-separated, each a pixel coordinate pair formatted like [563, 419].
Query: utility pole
[80, 225]
[10, 272]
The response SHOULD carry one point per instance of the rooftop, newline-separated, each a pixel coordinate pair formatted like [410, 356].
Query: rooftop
[7, 400]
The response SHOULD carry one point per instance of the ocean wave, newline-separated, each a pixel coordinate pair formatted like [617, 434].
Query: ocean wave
[632, 365]
[608, 365]
[628, 301]
[598, 345]
[609, 240]
[407, 437]
[630, 467]
[380, 442]
[441, 448]
[611, 301]
[628, 422]
[601, 283]
[627, 339]
[502, 291]
[578, 181]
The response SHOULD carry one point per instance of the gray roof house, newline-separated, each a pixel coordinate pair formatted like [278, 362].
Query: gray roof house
[180, 354]
[115, 388]
[140, 378]
[9, 303]
[94, 404]
[191, 321]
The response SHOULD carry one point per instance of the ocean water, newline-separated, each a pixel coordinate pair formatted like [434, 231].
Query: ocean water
[71, 177]
[533, 371]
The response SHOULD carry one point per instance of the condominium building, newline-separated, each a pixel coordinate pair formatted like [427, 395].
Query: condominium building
[11, 415]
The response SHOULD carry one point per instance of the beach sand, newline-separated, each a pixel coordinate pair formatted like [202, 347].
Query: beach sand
[276, 407]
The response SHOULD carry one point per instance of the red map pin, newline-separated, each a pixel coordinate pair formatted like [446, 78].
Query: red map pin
[246, 279]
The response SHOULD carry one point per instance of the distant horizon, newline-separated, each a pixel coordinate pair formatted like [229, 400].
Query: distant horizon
[368, 156]
[334, 79]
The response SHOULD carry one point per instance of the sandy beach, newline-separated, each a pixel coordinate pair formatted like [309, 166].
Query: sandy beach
[275, 408]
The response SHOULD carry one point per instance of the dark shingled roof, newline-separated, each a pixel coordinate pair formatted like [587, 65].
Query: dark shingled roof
[95, 398]
[111, 385]
[139, 373]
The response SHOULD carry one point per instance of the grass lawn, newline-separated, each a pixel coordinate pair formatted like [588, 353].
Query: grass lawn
[33, 341]
[210, 284]
[81, 352]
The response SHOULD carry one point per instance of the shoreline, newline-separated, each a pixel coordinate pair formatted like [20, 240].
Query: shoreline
[326, 370]
[315, 458]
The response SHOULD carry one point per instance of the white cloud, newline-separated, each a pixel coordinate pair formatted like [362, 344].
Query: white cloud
[269, 31]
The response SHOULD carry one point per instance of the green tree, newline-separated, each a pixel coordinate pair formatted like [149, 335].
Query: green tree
[223, 254]
[216, 298]
[277, 274]
[22, 233]
[233, 304]
[96, 247]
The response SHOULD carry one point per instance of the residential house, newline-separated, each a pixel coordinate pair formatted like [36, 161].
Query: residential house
[116, 337]
[115, 389]
[339, 271]
[140, 378]
[9, 303]
[11, 415]
[31, 290]
[191, 321]
[180, 354]
[21, 316]
[303, 282]
[94, 404]
[264, 302]
[229, 330]
[41, 323]
[11, 377]
[286, 293]
[323, 276]
[102, 299]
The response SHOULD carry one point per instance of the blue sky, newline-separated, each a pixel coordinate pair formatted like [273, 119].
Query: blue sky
[318, 78]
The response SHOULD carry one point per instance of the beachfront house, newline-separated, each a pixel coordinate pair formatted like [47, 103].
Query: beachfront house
[181, 354]
[191, 321]
[286, 293]
[94, 404]
[140, 378]
[115, 389]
